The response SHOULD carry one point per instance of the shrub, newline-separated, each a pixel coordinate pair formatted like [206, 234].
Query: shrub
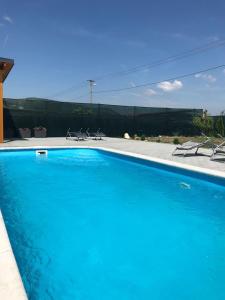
[219, 125]
[176, 141]
[204, 123]
[143, 137]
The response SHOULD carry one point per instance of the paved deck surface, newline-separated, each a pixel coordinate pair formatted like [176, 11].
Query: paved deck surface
[158, 150]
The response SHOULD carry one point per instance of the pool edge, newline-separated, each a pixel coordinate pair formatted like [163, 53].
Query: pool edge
[173, 164]
[11, 285]
[161, 161]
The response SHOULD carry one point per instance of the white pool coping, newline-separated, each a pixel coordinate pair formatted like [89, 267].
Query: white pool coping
[11, 286]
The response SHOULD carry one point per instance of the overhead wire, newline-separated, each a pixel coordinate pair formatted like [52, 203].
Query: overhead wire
[138, 68]
[169, 59]
[160, 81]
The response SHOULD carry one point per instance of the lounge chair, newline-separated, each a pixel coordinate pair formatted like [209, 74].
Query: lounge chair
[75, 135]
[99, 134]
[83, 134]
[90, 135]
[219, 150]
[188, 146]
[95, 135]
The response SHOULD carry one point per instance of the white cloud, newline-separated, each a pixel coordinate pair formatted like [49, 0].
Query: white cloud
[8, 19]
[168, 86]
[208, 77]
[150, 92]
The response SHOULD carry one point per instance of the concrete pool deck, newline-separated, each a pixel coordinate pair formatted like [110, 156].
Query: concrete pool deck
[149, 149]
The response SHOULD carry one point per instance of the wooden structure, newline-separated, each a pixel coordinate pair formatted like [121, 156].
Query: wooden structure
[5, 67]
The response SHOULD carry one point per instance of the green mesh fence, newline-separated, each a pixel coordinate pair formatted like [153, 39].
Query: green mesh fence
[114, 120]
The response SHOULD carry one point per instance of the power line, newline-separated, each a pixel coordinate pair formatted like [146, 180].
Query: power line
[84, 95]
[70, 89]
[169, 59]
[157, 82]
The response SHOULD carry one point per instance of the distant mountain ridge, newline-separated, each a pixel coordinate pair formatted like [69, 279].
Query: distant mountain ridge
[40, 100]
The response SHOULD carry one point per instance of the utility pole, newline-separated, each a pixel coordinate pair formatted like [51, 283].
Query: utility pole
[91, 84]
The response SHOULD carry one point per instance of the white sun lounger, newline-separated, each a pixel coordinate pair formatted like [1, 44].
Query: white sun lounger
[188, 146]
[75, 135]
[219, 150]
[98, 135]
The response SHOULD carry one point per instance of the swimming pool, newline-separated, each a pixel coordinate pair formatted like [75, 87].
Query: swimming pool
[88, 224]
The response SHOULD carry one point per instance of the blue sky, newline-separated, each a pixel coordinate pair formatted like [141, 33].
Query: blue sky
[60, 44]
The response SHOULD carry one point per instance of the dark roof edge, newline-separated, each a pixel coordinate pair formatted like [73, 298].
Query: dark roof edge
[8, 60]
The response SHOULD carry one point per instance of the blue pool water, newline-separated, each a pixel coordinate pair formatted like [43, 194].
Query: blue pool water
[85, 224]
